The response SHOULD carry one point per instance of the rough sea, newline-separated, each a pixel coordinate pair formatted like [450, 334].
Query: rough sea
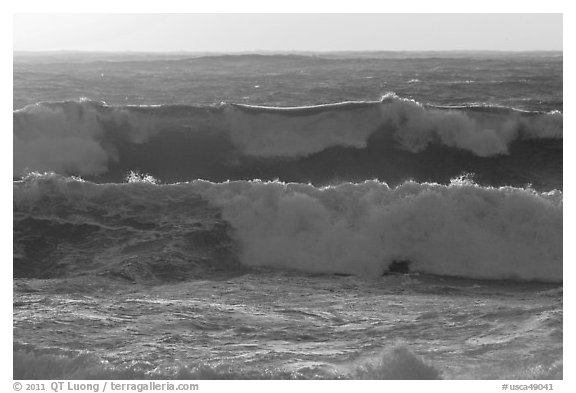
[315, 216]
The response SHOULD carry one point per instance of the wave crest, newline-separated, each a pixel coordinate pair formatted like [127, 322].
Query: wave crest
[459, 230]
[368, 228]
[88, 137]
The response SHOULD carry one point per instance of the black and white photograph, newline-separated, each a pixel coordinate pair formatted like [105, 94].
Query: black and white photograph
[287, 196]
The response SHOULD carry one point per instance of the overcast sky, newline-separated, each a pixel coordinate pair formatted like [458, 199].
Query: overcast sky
[286, 32]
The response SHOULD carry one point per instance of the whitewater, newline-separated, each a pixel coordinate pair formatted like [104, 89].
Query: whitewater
[408, 232]
[218, 142]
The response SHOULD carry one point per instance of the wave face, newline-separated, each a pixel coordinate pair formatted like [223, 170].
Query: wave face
[65, 226]
[394, 139]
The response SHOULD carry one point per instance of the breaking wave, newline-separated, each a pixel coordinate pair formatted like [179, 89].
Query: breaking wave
[141, 230]
[234, 141]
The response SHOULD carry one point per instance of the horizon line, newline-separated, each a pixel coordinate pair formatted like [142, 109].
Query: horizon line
[281, 51]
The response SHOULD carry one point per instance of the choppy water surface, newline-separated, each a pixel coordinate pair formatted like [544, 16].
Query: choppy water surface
[281, 325]
[290, 217]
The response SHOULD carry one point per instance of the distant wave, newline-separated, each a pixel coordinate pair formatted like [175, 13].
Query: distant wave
[228, 141]
[141, 230]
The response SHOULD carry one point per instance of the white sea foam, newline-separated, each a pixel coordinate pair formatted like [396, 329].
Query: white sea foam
[282, 133]
[459, 230]
[262, 131]
[83, 137]
[69, 137]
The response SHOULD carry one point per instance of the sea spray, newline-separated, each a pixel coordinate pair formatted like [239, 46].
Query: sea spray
[461, 229]
[90, 137]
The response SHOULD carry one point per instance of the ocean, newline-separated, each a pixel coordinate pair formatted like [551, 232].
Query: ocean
[377, 215]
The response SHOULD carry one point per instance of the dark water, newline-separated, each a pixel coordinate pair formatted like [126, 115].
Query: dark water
[146, 247]
[528, 81]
